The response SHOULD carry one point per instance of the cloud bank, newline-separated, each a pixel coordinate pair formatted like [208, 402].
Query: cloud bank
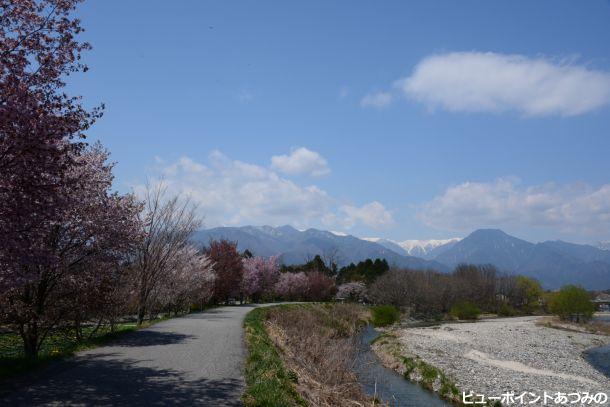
[231, 192]
[490, 82]
[374, 215]
[570, 208]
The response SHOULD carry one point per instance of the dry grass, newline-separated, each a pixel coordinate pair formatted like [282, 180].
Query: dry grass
[592, 327]
[318, 346]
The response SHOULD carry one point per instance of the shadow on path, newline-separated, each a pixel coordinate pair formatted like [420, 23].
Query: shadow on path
[108, 382]
[150, 338]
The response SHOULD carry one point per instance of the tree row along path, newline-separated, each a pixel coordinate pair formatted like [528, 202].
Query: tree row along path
[197, 359]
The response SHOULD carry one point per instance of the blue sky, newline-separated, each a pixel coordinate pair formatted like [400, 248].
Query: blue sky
[398, 119]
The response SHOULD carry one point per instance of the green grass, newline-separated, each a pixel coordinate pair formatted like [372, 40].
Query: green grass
[384, 315]
[429, 375]
[57, 346]
[465, 310]
[268, 383]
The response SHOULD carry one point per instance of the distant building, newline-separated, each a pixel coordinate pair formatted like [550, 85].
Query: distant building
[602, 302]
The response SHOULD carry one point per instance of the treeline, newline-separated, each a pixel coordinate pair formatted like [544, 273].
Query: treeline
[429, 293]
[365, 271]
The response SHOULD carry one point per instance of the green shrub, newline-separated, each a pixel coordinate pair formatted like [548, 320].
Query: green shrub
[428, 372]
[465, 310]
[506, 310]
[529, 293]
[410, 365]
[384, 315]
[572, 301]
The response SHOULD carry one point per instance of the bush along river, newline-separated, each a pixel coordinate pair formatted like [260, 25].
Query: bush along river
[387, 385]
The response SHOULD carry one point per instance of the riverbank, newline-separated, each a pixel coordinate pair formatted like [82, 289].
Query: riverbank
[599, 324]
[493, 357]
[303, 355]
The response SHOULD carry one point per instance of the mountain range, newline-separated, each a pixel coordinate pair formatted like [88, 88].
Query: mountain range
[553, 263]
[298, 246]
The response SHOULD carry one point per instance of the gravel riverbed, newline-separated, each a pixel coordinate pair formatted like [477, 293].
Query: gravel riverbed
[496, 356]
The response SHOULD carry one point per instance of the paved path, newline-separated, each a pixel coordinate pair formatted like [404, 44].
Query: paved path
[193, 360]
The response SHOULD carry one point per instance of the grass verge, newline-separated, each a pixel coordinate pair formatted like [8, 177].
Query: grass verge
[268, 383]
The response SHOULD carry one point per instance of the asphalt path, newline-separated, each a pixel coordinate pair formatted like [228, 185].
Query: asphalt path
[193, 360]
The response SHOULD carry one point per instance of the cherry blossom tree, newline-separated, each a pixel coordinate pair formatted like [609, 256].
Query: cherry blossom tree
[260, 276]
[228, 267]
[292, 286]
[169, 223]
[190, 281]
[320, 287]
[355, 291]
[41, 131]
[96, 231]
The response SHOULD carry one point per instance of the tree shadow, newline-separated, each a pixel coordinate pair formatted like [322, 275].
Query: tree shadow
[210, 315]
[97, 380]
[147, 337]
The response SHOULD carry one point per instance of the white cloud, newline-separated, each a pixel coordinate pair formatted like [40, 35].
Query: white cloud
[231, 192]
[570, 208]
[490, 82]
[373, 214]
[377, 100]
[301, 161]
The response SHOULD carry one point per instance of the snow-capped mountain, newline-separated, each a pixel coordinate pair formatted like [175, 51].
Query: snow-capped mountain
[426, 249]
[388, 244]
[296, 246]
[604, 245]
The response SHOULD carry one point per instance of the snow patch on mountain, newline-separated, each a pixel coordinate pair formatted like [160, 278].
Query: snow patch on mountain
[419, 248]
[425, 246]
[604, 245]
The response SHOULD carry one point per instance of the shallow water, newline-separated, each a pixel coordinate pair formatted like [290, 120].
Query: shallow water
[386, 383]
[599, 358]
[602, 317]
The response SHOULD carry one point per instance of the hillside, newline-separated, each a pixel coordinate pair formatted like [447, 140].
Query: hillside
[553, 263]
[296, 246]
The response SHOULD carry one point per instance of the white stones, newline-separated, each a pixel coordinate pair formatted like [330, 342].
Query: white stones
[510, 354]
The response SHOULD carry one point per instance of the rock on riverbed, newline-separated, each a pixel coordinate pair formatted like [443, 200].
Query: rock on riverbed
[493, 357]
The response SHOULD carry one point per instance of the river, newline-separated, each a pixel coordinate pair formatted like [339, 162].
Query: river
[599, 358]
[388, 385]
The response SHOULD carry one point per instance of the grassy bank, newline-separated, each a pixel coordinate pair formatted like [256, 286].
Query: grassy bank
[59, 345]
[302, 354]
[267, 380]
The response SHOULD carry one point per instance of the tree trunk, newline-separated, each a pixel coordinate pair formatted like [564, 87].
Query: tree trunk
[29, 334]
[141, 314]
[78, 330]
